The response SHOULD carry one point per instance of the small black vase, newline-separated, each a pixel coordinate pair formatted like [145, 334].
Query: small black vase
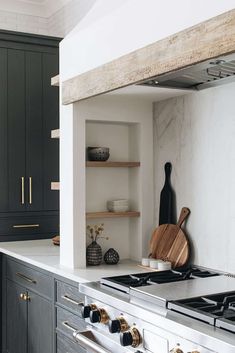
[94, 254]
[111, 257]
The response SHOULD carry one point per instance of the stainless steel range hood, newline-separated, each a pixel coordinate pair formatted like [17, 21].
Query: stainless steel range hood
[200, 76]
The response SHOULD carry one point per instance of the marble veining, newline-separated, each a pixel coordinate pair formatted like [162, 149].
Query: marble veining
[196, 132]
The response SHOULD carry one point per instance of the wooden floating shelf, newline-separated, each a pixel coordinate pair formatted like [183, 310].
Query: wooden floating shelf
[129, 214]
[55, 81]
[55, 185]
[55, 134]
[112, 164]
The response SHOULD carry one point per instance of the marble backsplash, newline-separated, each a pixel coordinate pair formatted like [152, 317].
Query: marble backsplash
[196, 133]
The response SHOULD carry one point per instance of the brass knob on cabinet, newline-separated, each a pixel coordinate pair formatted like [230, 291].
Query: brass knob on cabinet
[24, 296]
[195, 352]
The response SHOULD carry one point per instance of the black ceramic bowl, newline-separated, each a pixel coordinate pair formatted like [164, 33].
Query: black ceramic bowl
[98, 154]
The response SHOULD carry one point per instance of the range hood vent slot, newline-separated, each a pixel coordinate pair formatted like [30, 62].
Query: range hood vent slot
[200, 76]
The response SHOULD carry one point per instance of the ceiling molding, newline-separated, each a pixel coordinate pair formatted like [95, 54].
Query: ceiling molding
[40, 8]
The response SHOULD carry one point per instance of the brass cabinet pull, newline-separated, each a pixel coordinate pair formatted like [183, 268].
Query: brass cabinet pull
[25, 297]
[70, 300]
[22, 190]
[26, 226]
[30, 190]
[27, 279]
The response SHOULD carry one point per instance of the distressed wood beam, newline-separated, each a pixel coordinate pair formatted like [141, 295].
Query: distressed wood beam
[210, 39]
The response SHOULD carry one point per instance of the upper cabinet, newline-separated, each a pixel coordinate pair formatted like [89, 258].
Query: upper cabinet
[29, 110]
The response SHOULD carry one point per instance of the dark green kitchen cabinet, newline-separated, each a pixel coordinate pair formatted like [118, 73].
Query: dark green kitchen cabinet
[28, 309]
[29, 159]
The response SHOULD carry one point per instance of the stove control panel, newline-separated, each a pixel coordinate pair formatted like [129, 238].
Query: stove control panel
[133, 333]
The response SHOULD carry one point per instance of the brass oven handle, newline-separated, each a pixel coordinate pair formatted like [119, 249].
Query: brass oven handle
[27, 279]
[26, 226]
[30, 190]
[22, 190]
[85, 342]
[70, 300]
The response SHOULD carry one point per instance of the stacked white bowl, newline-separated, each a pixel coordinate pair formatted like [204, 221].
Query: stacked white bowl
[121, 205]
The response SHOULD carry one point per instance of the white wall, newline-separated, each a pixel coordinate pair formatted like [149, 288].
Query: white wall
[196, 133]
[114, 28]
[130, 237]
[27, 17]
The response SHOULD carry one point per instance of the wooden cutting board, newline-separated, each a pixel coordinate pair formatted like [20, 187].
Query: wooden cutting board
[169, 242]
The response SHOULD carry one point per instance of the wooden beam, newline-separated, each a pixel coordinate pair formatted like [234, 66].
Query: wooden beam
[210, 39]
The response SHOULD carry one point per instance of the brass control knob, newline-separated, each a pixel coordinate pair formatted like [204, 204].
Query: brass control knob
[131, 338]
[118, 325]
[195, 352]
[99, 315]
[176, 350]
[86, 309]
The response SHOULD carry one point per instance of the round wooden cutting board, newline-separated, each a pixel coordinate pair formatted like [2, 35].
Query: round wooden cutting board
[169, 242]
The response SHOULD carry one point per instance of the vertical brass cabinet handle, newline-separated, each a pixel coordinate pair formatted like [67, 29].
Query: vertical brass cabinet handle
[30, 190]
[22, 190]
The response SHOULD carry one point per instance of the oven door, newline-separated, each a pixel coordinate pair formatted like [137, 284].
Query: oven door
[95, 342]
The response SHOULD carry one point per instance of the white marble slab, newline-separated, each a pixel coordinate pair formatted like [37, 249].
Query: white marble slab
[43, 254]
[197, 134]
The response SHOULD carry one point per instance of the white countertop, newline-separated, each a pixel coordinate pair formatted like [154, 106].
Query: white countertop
[43, 254]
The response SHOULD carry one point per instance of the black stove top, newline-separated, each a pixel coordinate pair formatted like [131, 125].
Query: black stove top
[217, 309]
[124, 283]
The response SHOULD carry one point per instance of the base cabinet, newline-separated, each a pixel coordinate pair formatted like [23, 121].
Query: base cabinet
[39, 309]
[16, 319]
[28, 309]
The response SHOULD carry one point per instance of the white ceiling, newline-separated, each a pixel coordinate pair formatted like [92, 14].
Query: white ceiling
[41, 8]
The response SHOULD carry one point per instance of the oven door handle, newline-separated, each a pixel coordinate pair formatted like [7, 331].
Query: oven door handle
[83, 339]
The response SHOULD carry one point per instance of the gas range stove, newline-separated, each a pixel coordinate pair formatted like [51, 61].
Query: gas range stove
[127, 282]
[162, 312]
[217, 309]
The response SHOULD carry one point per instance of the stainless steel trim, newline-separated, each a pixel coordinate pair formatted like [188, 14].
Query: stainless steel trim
[70, 300]
[27, 279]
[26, 226]
[22, 190]
[70, 327]
[83, 339]
[30, 190]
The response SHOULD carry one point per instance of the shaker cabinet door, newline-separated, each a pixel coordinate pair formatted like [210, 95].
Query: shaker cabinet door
[16, 319]
[3, 131]
[34, 131]
[40, 324]
[16, 129]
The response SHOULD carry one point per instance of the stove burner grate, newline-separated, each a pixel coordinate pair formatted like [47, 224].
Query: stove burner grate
[212, 308]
